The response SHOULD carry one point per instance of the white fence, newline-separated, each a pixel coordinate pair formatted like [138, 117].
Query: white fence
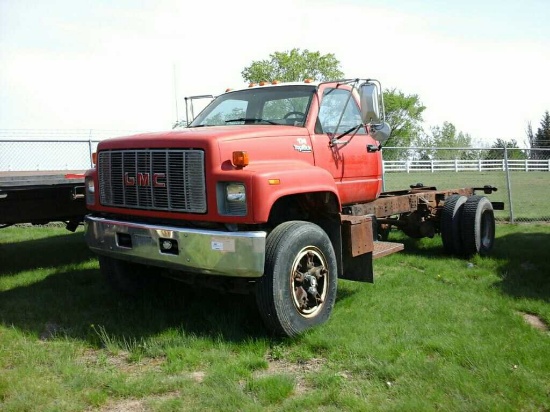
[522, 176]
[459, 165]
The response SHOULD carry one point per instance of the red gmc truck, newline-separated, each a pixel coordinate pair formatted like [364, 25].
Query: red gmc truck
[275, 190]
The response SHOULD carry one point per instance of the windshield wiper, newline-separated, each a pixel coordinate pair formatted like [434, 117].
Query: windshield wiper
[251, 119]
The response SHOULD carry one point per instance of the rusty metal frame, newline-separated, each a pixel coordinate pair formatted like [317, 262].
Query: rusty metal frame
[406, 201]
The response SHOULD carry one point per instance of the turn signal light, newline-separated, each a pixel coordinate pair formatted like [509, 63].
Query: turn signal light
[240, 158]
[94, 158]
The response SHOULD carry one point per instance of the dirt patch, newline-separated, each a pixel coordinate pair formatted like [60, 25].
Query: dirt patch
[120, 361]
[535, 321]
[307, 366]
[136, 405]
[299, 370]
[197, 376]
[126, 405]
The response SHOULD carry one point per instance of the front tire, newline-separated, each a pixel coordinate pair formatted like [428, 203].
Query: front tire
[298, 288]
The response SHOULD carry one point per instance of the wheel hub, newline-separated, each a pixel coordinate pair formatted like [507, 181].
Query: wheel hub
[309, 280]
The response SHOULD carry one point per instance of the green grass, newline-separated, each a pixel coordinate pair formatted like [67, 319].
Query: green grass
[529, 190]
[432, 333]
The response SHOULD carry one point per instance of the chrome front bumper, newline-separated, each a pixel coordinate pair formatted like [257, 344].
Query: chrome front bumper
[240, 254]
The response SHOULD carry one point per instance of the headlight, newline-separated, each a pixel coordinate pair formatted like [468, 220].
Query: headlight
[235, 192]
[231, 199]
[90, 191]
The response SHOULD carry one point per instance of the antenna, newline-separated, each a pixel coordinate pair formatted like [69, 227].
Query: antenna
[175, 91]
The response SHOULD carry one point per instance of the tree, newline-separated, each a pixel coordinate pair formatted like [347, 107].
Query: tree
[497, 150]
[542, 139]
[530, 135]
[444, 136]
[404, 115]
[294, 65]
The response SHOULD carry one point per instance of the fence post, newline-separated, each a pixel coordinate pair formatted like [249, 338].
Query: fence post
[383, 175]
[432, 165]
[508, 185]
[90, 148]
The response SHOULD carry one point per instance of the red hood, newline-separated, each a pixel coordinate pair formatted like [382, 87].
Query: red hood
[199, 137]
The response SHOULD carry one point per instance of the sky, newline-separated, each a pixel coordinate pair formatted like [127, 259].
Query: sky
[127, 65]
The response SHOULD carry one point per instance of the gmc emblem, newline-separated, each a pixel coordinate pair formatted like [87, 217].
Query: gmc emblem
[143, 179]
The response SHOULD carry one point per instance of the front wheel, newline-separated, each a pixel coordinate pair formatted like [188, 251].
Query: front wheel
[298, 288]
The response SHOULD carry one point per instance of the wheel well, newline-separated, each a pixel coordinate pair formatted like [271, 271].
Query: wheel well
[311, 207]
[321, 208]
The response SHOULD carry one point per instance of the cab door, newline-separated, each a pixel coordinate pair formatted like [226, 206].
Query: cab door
[356, 170]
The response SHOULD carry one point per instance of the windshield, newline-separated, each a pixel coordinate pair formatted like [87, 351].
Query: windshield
[280, 105]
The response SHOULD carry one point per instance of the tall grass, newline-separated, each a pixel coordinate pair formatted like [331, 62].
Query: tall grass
[432, 333]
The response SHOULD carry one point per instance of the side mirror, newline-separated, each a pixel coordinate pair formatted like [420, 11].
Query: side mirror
[380, 132]
[369, 94]
[370, 106]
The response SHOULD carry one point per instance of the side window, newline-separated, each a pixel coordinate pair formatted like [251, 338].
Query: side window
[332, 105]
[227, 110]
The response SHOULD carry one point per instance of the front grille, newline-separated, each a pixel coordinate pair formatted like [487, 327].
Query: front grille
[160, 179]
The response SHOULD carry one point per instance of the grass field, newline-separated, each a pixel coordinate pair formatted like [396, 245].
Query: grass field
[530, 190]
[432, 333]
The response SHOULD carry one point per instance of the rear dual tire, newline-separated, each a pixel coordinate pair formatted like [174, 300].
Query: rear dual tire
[451, 224]
[478, 226]
[468, 225]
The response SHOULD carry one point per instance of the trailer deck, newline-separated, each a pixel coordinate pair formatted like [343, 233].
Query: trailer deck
[40, 197]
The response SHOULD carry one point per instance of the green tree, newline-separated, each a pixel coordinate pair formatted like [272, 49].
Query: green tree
[404, 115]
[542, 139]
[444, 136]
[530, 135]
[294, 65]
[497, 150]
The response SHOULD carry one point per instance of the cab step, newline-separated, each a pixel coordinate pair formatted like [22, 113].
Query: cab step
[382, 249]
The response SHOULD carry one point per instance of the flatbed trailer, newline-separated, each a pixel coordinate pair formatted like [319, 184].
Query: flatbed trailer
[39, 197]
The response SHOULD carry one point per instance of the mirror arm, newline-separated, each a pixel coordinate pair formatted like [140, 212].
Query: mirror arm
[372, 148]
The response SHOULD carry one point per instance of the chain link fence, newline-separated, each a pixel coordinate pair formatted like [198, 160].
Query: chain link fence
[522, 176]
[46, 150]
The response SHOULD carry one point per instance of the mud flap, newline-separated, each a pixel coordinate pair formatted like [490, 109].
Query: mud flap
[357, 246]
